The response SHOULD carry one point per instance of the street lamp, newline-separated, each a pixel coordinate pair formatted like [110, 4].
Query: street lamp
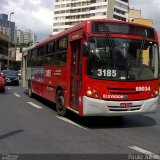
[9, 38]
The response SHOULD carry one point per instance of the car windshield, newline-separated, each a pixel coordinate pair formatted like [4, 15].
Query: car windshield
[122, 59]
[10, 73]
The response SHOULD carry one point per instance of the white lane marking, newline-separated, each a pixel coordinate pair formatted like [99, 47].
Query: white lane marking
[150, 154]
[9, 88]
[17, 95]
[71, 122]
[34, 105]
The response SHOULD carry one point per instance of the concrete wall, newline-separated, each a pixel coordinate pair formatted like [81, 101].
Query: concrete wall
[147, 22]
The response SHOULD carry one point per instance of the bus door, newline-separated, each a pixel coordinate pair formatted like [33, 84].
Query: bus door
[75, 79]
[24, 71]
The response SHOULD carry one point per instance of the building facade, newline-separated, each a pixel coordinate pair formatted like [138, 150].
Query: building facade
[7, 27]
[26, 37]
[20, 37]
[70, 12]
[133, 13]
[147, 22]
[3, 50]
[10, 37]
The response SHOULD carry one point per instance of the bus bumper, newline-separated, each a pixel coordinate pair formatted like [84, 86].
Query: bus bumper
[97, 107]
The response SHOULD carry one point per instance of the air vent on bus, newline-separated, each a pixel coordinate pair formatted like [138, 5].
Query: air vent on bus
[123, 91]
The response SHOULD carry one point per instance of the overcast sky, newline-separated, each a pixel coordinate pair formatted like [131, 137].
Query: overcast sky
[37, 15]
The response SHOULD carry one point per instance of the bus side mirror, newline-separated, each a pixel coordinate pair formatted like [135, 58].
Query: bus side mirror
[85, 49]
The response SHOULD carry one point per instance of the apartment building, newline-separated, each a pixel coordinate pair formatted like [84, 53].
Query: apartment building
[26, 37]
[20, 37]
[70, 12]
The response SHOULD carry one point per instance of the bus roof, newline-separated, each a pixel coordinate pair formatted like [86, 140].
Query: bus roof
[80, 25]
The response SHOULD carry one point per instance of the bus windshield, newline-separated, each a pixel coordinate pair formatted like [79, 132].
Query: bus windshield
[122, 59]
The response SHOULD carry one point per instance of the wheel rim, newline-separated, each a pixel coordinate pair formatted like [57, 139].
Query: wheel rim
[60, 100]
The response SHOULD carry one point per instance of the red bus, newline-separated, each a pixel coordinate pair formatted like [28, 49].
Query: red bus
[96, 68]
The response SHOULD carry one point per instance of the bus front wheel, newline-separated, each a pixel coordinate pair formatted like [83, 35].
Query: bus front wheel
[60, 107]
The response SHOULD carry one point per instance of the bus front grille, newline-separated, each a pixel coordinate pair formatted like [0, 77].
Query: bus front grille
[118, 108]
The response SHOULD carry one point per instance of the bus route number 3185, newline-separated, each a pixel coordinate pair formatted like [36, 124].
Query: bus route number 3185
[106, 73]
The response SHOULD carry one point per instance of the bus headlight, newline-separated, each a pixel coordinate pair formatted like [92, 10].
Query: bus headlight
[91, 92]
[154, 93]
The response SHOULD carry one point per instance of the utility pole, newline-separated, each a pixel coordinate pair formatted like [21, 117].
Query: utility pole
[9, 39]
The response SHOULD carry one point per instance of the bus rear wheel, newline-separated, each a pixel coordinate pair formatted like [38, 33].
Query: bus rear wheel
[61, 110]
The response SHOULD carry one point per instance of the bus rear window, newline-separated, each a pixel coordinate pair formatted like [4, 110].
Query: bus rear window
[112, 27]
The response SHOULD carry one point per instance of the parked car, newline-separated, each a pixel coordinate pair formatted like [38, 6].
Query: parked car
[11, 77]
[2, 83]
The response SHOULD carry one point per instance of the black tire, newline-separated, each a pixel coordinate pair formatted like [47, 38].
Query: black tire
[17, 83]
[60, 101]
[3, 90]
[30, 93]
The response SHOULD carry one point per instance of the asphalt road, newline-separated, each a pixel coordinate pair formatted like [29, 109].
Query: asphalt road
[32, 126]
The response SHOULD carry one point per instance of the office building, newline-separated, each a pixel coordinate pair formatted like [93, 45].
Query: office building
[7, 27]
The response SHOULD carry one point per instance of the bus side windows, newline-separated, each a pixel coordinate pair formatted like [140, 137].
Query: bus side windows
[61, 51]
[41, 51]
[61, 44]
[54, 47]
[50, 48]
[32, 58]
